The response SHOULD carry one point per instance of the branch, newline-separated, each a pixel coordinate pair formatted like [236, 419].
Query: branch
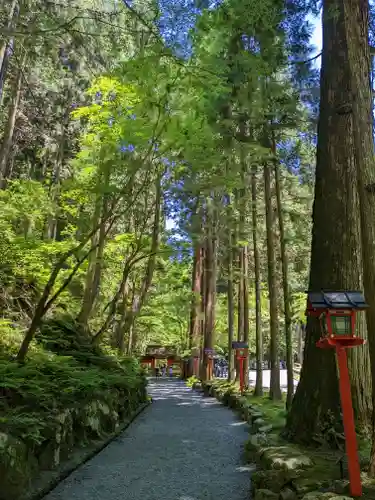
[307, 60]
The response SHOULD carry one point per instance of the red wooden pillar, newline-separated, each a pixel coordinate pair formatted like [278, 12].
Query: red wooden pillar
[152, 363]
[349, 425]
[210, 363]
[241, 374]
[196, 366]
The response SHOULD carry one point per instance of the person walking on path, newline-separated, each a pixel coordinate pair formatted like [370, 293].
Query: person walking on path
[170, 371]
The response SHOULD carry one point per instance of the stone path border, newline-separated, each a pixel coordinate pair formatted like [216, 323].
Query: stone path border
[50, 479]
[185, 446]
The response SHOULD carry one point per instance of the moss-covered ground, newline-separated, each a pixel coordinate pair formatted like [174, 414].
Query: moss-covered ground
[66, 395]
[62, 370]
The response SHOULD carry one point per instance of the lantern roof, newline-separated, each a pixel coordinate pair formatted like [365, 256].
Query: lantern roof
[240, 345]
[337, 299]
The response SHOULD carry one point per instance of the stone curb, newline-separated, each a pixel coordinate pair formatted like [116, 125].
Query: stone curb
[289, 481]
[50, 479]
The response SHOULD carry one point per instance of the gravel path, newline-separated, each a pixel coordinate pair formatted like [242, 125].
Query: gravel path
[182, 447]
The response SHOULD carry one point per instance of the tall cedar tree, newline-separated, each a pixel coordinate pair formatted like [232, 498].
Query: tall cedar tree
[359, 105]
[336, 254]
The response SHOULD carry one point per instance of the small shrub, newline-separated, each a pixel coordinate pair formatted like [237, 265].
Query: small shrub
[191, 381]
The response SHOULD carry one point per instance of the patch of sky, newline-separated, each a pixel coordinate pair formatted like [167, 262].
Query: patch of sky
[167, 162]
[177, 18]
[316, 39]
[251, 44]
[155, 146]
[127, 148]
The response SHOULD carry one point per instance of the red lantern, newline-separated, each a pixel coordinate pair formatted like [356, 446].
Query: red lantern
[337, 311]
[337, 314]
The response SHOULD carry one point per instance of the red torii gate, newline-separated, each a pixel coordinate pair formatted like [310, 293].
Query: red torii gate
[154, 352]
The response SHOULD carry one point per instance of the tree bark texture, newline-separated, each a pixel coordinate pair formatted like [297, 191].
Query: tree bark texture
[6, 47]
[194, 330]
[275, 390]
[286, 290]
[360, 106]
[7, 141]
[194, 326]
[246, 331]
[230, 296]
[336, 253]
[210, 291]
[258, 307]
[95, 265]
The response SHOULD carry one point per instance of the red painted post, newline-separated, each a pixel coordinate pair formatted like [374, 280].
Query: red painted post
[349, 426]
[195, 366]
[241, 375]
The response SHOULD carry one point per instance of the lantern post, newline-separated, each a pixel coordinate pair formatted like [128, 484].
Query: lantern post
[242, 352]
[210, 359]
[336, 311]
[196, 365]
[195, 360]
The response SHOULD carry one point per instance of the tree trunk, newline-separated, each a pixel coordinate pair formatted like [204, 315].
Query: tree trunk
[194, 326]
[286, 291]
[240, 272]
[139, 298]
[131, 343]
[46, 301]
[10, 124]
[195, 301]
[5, 48]
[52, 223]
[299, 334]
[359, 103]
[231, 366]
[210, 292]
[93, 275]
[112, 305]
[230, 292]
[246, 332]
[240, 296]
[336, 253]
[244, 255]
[275, 390]
[119, 336]
[258, 310]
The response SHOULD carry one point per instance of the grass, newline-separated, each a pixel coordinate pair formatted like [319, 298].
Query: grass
[273, 411]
